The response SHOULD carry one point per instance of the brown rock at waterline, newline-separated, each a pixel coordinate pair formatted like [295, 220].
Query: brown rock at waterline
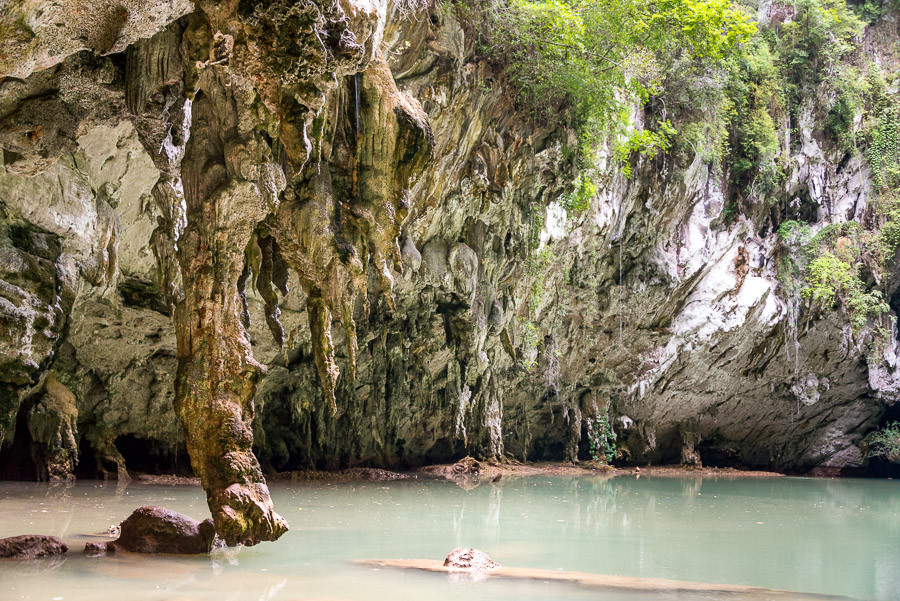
[467, 466]
[158, 530]
[31, 546]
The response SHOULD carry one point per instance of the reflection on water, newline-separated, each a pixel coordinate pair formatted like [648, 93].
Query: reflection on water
[837, 537]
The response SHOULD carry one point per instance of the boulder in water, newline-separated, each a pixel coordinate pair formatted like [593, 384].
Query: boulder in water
[31, 546]
[159, 530]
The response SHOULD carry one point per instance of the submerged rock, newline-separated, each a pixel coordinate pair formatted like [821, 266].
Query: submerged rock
[31, 546]
[159, 530]
[353, 474]
[98, 549]
[606, 582]
[466, 558]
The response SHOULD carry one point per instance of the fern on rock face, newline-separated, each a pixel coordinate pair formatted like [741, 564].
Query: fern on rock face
[884, 151]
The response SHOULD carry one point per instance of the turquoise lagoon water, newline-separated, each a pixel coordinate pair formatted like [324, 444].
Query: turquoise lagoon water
[836, 537]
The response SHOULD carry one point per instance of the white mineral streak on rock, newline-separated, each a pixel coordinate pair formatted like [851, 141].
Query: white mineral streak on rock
[556, 223]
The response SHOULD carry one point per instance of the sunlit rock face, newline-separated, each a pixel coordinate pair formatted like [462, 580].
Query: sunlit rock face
[332, 220]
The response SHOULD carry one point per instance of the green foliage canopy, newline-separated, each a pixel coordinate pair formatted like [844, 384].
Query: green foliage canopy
[584, 63]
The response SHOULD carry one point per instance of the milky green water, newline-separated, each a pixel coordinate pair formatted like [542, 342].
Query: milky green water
[838, 537]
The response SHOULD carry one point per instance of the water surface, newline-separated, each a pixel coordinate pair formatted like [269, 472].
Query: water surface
[839, 537]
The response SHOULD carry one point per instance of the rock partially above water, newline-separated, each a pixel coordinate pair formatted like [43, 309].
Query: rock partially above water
[159, 530]
[467, 465]
[465, 558]
[31, 546]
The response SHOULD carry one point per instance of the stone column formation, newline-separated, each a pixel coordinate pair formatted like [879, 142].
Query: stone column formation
[217, 375]
[224, 102]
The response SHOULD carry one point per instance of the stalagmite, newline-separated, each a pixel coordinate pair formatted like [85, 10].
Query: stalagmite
[217, 375]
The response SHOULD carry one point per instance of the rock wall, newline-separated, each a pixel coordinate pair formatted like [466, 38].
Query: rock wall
[416, 290]
[648, 307]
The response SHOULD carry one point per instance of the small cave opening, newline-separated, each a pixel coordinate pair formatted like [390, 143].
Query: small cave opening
[894, 304]
[584, 445]
[16, 460]
[802, 207]
[548, 450]
[716, 451]
[843, 163]
[153, 457]
[552, 429]
[445, 450]
[86, 468]
[141, 456]
[720, 457]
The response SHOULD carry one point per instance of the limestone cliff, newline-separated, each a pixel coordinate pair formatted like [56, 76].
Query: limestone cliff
[331, 221]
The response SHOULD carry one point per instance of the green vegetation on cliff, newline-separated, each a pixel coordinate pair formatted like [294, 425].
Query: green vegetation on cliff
[698, 76]
[585, 64]
[601, 438]
[885, 442]
[828, 267]
[804, 77]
